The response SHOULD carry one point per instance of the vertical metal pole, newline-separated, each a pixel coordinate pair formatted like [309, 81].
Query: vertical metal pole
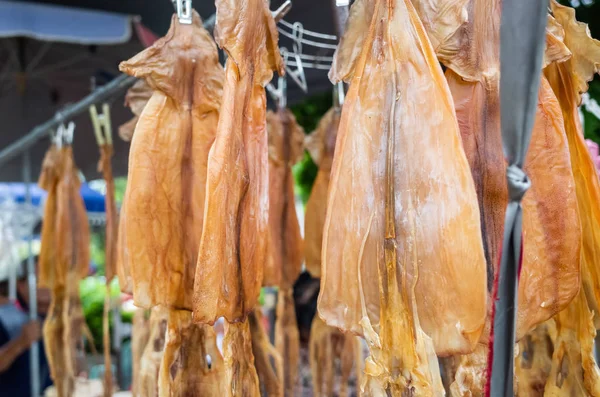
[34, 361]
[12, 276]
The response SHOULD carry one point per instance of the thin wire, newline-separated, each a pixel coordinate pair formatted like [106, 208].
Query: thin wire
[318, 58]
[310, 65]
[309, 32]
[308, 42]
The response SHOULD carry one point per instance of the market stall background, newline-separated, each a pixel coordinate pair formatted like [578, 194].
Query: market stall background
[29, 98]
[41, 77]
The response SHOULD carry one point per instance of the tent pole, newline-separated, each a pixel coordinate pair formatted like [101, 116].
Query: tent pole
[34, 361]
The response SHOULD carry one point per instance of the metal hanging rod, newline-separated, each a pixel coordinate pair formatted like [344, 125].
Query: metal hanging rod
[310, 32]
[317, 58]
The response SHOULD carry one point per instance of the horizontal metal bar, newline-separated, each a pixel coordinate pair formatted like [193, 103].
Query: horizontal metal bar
[309, 32]
[316, 58]
[308, 42]
[310, 65]
[100, 94]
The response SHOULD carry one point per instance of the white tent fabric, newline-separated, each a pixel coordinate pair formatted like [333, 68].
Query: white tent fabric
[63, 24]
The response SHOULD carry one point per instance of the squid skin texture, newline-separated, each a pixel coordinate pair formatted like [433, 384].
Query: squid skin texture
[191, 364]
[551, 230]
[267, 360]
[235, 240]
[568, 80]
[140, 334]
[400, 183]
[161, 223]
[320, 144]
[241, 377]
[397, 71]
[286, 247]
[136, 99]
[153, 353]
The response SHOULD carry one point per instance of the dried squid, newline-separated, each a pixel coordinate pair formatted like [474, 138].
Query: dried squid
[73, 253]
[268, 362]
[235, 233]
[286, 147]
[162, 216]
[550, 272]
[153, 353]
[402, 223]
[549, 208]
[326, 345]
[54, 343]
[136, 99]
[234, 245]
[574, 368]
[50, 275]
[164, 201]
[64, 262]
[192, 364]
[569, 80]
[320, 144]
[140, 334]
[534, 360]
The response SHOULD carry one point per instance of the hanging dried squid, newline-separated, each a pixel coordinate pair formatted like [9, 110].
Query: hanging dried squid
[402, 218]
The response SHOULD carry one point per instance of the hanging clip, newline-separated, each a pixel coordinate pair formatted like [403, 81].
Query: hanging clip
[298, 74]
[102, 125]
[279, 94]
[56, 137]
[63, 135]
[279, 13]
[184, 11]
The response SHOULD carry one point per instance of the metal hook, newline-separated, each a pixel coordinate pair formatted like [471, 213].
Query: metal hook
[297, 75]
[68, 133]
[184, 11]
[102, 124]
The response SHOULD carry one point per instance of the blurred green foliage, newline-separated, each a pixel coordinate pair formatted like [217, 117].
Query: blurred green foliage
[308, 113]
[590, 14]
[92, 291]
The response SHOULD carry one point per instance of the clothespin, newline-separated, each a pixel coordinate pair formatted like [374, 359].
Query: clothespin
[56, 137]
[297, 75]
[102, 125]
[184, 11]
[64, 134]
[279, 94]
